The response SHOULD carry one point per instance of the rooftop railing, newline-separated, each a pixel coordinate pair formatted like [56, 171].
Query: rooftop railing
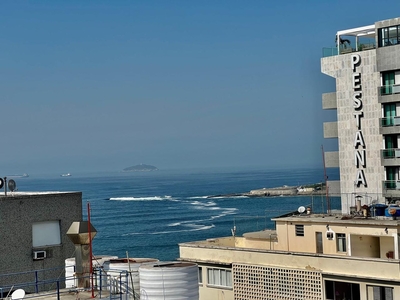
[332, 51]
[116, 287]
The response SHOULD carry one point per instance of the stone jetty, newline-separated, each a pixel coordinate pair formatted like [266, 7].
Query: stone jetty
[279, 191]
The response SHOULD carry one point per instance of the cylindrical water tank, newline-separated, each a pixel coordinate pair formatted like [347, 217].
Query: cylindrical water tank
[169, 280]
[70, 279]
[117, 273]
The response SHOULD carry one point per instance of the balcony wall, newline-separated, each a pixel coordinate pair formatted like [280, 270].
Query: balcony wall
[332, 159]
[385, 269]
[330, 130]
[389, 95]
[389, 126]
[329, 101]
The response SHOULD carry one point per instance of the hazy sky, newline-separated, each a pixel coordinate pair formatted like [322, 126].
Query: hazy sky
[103, 85]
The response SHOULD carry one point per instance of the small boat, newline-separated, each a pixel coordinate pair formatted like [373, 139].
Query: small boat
[65, 175]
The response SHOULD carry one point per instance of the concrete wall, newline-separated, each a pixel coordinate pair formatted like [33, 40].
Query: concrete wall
[340, 67]
[17, 214]
[329, 101]
[384, 269]
[209, 292]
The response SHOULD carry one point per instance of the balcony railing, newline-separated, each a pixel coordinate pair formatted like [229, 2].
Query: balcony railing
[389, 89]
[390, 121]
[391, 153]
[391, 185]
[332, 51]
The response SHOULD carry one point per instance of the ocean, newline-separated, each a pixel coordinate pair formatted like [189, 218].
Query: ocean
[147, 214]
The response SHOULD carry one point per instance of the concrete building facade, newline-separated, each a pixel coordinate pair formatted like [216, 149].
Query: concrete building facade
[33, 234]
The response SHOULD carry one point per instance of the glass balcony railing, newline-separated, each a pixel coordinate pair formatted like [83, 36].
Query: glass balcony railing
[389, 89]
[390, 153]
[327, 52]
[391, 185]
[391, 121]
[332, 51]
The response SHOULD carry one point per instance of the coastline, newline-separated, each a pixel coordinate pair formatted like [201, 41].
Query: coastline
[285, 190]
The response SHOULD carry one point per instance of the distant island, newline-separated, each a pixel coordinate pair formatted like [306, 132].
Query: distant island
[141, 167]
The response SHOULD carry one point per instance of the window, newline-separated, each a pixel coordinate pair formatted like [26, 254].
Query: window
[46, 233]
[342, 290]
[200, 275]
[219, 277]
[388, 36]
[341, 242]
[380, 293]
[299, 230]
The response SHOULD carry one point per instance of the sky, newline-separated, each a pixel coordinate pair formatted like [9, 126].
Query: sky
[90, 86]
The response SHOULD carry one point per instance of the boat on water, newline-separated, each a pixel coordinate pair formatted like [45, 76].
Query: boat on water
[65, 175]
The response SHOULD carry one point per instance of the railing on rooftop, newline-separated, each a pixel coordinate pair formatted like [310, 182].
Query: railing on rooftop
[332, 51]
[118, 287]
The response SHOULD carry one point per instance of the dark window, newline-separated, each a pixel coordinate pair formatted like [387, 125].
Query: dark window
[342, 290]
[200, 275]
[381, 292]
[299, 230]
[341, 242]
[389, 36]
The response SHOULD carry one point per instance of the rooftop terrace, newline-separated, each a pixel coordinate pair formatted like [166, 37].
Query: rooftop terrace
[352, 40]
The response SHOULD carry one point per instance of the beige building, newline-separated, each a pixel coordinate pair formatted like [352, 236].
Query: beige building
[307, 257]
[349, 255]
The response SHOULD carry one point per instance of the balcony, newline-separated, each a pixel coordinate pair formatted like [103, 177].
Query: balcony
[389, 125]
[352, 40]
[333, 51]
[390, 157]
[389, 93]
[391, 189]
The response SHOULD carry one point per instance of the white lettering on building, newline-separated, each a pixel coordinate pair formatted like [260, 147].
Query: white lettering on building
[359, 144]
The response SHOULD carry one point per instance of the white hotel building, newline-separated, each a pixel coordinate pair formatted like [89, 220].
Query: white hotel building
[367, 100]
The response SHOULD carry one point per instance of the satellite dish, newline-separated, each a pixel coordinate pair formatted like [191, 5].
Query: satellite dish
[301, 209]
[1, 183]
[18, 294]
[12, 186]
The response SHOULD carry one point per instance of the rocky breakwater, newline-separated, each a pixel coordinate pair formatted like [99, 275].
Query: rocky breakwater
[314, 189]
[277, 191]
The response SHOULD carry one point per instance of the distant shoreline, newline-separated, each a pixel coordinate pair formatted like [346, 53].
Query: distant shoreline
[278, 191]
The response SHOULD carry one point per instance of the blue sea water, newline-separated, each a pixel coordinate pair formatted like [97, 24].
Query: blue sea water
[147, 214]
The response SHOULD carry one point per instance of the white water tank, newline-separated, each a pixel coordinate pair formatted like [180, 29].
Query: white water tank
[118, 269]
[169, 280]
[70, 279]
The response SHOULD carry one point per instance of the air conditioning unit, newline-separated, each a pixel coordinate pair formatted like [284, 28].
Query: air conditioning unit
[39, 254]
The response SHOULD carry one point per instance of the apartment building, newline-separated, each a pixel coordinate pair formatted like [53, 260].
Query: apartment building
[34, 239]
